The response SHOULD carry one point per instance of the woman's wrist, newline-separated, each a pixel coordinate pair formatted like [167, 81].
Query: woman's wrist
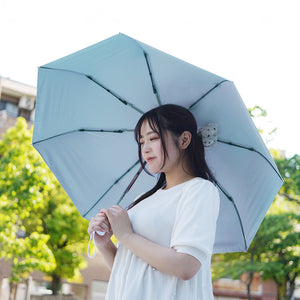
[126, 237]
[103, 246]
[108, 252]
[131, 241]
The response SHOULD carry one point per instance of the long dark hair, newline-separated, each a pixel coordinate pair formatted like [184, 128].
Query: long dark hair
[176, 119]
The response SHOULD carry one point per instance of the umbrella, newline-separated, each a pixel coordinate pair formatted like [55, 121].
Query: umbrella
[89, 102]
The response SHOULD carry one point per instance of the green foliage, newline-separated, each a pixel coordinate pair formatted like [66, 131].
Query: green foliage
[282, 251]
[259, 114]
[68, 234]
[275, 250]
[257, 111]
[290, 170]
[23, 183]
[33, 202]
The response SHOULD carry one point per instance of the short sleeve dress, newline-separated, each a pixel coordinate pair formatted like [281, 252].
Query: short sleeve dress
[183, 217]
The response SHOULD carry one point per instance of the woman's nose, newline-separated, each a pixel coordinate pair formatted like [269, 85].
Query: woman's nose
[146, 148]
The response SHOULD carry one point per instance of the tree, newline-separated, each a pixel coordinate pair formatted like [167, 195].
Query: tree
[68, 236]
[290, 170]
[284, 267]
[275, 251]
[34, 204]
[281, 259]
[259, 115]
[237, 264]
[22, 187]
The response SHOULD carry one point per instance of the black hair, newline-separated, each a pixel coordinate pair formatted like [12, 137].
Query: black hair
[176, 119]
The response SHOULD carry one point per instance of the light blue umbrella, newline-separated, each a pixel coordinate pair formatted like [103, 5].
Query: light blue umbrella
[89, 102]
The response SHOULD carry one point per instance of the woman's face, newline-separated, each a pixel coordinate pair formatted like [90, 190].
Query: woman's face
[152, 150]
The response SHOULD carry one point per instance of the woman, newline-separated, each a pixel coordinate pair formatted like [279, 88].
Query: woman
[166, 236]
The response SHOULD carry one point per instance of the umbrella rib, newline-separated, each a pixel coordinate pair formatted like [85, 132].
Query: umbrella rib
[114, 94]
[101, 85]
[252, 149]
[155, 91]
[83, 129]
[236, 210]
[102, 196]
[105, 130]
[203, 96]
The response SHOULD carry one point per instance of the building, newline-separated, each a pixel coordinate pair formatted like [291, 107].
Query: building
[18, 99]
[229, 289]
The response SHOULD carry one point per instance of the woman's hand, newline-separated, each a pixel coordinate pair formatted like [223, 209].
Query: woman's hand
[119, 221]
[100, 223]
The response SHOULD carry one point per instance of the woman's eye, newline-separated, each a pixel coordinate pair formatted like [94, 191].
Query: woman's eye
[154, 138]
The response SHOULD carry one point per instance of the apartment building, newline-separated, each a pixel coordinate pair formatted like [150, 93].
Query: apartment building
[16, 99]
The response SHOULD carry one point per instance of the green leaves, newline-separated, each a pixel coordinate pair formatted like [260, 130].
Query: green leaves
[32, 202]
[290, 170]
[68, 234]
[275, 250]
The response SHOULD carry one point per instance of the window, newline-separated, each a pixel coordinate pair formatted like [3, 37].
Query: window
[11, 108]
[2, 105]
[24, 113]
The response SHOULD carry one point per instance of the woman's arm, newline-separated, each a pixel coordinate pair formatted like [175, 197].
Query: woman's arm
[162, 258]
[103, 243]
[108, 252]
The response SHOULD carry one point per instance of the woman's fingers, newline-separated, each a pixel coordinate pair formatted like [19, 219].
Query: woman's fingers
[119, 221]
[99, 223]
[114, 211]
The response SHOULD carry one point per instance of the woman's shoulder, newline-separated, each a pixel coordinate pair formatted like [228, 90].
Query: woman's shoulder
[199, 195]
[201, 183]
[200, 187]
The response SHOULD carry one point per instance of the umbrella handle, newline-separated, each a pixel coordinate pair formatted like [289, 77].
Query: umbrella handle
[92, 237]
[101, 233]
[132, 182]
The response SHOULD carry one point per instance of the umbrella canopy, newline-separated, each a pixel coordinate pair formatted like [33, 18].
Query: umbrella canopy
[89, 102]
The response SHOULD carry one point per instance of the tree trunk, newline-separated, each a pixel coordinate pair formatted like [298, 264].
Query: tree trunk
[251, 274]
[281, 291]
[291, 289]
[12, 290]
[249, 285]
[55, 284]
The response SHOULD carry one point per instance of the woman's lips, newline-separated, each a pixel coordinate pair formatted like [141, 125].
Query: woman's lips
[149, 159]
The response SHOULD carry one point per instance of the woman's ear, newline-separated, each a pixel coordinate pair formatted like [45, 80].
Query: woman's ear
[185, 139]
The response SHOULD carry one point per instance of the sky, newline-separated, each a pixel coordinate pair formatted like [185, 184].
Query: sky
[253, 43]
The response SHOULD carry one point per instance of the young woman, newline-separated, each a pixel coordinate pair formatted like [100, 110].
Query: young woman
[166, 236]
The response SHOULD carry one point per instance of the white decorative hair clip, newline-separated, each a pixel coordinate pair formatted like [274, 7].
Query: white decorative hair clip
[209, 134]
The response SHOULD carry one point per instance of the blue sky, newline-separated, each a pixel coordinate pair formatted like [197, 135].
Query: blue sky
[253, 43]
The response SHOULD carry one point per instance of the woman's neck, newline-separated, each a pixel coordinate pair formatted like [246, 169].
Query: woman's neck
[177, 178]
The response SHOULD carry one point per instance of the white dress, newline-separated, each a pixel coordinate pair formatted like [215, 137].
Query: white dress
[183, 217]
